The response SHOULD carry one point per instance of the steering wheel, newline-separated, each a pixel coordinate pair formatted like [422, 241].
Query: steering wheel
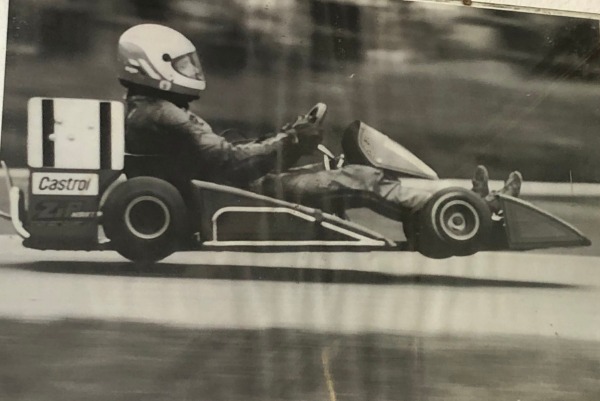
[315, 116]
[317, 113]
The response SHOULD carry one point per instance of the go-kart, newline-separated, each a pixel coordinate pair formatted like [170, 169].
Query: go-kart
[86, 193]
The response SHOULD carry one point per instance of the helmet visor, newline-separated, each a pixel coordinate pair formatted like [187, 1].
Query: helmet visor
[189, 66]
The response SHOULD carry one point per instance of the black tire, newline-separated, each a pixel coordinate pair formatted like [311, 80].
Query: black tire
[145, 219]
[454, 222]
[419, 241]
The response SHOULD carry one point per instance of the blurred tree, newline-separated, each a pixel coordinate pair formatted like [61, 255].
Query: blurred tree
[155, 10]
[65, 31]
[573, 50]
[517, 32]
[337, 33]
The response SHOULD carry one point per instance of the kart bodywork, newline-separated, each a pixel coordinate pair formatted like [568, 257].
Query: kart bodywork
[85, 193]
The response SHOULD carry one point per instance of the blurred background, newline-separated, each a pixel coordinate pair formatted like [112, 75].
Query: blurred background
[457, 86]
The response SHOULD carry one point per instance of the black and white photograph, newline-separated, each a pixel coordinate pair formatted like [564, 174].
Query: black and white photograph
[300, 200]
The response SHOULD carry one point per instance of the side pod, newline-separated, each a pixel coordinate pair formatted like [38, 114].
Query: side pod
[529, 227]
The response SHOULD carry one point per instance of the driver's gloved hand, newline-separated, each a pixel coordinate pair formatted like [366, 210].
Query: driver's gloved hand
[307, 135]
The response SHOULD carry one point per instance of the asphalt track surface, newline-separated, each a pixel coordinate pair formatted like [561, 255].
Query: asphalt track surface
[337, 326]
[388, 292]
[372, 325]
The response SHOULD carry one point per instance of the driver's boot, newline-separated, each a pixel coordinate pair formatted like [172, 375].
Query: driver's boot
[480, 181]
[512, 187]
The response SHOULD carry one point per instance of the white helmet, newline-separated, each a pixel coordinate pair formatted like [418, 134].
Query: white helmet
[159, 57]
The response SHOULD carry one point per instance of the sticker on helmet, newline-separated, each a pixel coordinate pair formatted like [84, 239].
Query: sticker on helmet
[165, 85]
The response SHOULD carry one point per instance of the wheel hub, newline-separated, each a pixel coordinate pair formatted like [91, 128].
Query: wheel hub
[459, 220]
[147, 217]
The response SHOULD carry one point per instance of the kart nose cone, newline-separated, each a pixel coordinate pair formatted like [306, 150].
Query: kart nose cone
[529, 227]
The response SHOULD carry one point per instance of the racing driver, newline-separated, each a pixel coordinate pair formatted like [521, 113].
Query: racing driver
[162, 73]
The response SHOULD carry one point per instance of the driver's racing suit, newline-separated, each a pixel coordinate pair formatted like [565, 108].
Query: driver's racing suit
[158, 127]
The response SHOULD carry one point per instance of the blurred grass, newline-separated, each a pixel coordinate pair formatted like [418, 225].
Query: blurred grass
[96, 360]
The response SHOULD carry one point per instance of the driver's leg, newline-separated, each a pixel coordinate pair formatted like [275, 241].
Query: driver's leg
[363, 186]
[349, 186]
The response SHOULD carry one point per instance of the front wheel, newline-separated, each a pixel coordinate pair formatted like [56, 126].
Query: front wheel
[145, 219]
[454, 222]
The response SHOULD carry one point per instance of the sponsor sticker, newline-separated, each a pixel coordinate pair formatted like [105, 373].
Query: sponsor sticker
[64, 184]
[63, 210]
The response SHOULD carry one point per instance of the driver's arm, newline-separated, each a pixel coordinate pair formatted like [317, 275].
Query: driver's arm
[219, 158]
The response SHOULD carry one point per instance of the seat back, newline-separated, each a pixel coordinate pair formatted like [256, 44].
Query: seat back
[172, 170]
[75, 134]
[165, 167]
[75, 150]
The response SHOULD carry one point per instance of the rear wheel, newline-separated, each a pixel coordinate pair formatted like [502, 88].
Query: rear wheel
[454, 222]
[145, 218]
